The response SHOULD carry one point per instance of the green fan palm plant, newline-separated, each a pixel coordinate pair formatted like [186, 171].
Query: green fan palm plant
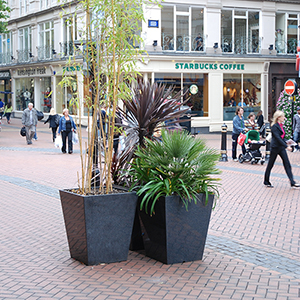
[179, 164]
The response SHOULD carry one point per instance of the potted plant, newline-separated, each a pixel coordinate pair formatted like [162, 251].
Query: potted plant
[175, 179]
[99, 216]
[150, 108]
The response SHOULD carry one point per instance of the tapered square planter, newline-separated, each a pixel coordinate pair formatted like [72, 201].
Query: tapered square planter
[99, 226]
[174, 235]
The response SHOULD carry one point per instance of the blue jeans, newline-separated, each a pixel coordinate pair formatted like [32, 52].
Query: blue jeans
[296, 138]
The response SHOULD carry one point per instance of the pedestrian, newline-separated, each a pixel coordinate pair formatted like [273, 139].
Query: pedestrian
[1, 108]
[29, 120]
[53, 120]
[66, 128]
[7, 112]
[296, 128]
[278, 146]
[238, 127]
[261, 123]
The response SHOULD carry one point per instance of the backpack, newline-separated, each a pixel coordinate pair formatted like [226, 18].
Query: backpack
[40, 115]
[57, 119]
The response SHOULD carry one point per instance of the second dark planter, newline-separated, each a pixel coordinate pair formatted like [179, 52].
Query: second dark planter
[174, 235]
[99, 227]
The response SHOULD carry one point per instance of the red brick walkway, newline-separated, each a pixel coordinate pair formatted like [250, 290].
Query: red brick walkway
[252, 252]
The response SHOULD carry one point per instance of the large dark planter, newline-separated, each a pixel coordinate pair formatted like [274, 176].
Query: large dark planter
[99, 227]
[174, 235]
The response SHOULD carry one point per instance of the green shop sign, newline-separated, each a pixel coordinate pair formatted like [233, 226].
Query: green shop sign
[207, 66]
[72, 68]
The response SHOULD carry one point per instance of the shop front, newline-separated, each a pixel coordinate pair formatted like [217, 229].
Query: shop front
[213, 88]
[32, 85]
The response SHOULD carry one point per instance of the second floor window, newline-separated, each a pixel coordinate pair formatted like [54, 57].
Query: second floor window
[182, 28]
[287, 33]
[240, 31]
[46, 40]
[5, 48]
[24, 45]
[69, 35]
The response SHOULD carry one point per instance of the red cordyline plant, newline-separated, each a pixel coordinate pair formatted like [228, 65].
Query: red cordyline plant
[147, 112]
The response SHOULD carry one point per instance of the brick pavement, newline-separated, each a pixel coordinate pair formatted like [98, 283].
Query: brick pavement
[252, 251]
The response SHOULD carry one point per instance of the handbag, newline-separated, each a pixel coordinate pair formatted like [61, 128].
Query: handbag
[40, 115]
[23, 131]
[241, 139]
[269, 137]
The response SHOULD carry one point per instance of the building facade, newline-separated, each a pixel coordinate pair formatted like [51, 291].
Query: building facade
[220, 53]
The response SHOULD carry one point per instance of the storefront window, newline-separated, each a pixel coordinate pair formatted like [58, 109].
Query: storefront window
[241, 90]
[169, 79]
[196, 89]
[65, 96]
[24, 92]
[45, 94]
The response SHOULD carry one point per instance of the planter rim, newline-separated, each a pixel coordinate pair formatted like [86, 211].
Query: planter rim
[80, 195]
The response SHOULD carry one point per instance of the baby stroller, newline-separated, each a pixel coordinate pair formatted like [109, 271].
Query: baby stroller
[253, 145]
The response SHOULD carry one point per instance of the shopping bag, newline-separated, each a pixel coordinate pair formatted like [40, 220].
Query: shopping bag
[58, 142]
[241, 139]
[75, 139]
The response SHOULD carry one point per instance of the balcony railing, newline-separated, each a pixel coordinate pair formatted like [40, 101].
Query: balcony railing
[24, 56]
[242, 45]
[6, 58]
[45, 52]
[285, 47]
[69, 49]
[185, 43]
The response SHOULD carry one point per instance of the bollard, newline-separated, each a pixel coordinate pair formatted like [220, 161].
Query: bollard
[268, 146]
[224, 143]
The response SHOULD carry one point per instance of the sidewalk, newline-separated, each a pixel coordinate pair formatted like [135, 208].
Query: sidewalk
[252, 250]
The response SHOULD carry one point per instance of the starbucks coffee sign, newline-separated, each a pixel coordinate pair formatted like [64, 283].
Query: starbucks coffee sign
[209, 66]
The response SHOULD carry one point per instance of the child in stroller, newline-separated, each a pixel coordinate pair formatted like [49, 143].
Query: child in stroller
[253, 153]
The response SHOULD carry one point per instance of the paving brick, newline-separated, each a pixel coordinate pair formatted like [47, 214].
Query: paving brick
[252, 250]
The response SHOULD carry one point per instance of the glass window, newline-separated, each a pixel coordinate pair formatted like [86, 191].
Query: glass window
[65, 96]
[45, 94]
[280, 32]
[196, 89]
[169, 79]
[24, 91]
[226, 30]
[167, 28]
[240, 13]
[187, 38]
[182, 33]
[292, 35]
[46, 40]
[241, 90]
[253, 32]
[197, 29]
[240, 33]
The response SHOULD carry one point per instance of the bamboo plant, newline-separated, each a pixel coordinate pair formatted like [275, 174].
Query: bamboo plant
[109, 48]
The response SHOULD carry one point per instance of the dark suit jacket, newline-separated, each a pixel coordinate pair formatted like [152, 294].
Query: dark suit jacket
[277, 143]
